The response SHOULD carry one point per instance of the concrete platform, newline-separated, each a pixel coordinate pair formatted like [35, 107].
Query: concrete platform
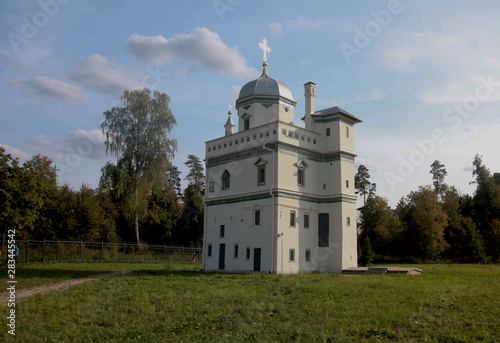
[381, 271]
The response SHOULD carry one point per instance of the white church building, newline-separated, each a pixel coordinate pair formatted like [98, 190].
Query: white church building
[280, 198]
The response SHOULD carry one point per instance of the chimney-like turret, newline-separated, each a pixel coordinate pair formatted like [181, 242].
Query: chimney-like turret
[310, 94]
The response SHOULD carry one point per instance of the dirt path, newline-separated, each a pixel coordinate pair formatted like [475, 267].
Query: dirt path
[24, 294]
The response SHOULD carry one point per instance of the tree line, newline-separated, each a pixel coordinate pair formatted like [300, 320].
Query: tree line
[38, 209]
[432, 223]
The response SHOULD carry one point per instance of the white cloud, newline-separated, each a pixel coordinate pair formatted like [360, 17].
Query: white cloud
[307, 64]
[298, 24]
[276, 27]
[67, 150]
[374, 94]
[202, 46]
[102, 75]
[50, 89]
[452, 57]
[235, 92]
[15, 152]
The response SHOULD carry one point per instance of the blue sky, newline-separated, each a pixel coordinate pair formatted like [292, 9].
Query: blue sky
[423, 76]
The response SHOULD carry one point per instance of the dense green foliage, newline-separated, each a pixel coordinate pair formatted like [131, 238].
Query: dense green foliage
[434, 224]
[447, 303]
[32, 204]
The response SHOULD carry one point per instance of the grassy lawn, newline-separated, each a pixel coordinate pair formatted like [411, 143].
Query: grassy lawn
[162, 303]
[34, 275]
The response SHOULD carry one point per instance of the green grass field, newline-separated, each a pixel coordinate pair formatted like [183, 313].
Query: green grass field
[176, 303]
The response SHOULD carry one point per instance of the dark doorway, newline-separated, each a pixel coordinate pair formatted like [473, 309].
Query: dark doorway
[323, 229]
[222, 256]
[256, 259]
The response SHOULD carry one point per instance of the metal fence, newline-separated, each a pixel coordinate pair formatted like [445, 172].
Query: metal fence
[34, 251]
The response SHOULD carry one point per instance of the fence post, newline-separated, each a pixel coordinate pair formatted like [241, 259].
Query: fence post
[182, 255]
[81, 251]
[124, 251]
[43, 251]
[165, 255]
[27, 248]
[102, 250]
[57, 252]
[145, 252]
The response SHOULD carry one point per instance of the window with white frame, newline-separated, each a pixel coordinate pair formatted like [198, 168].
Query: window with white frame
[291, 255]
[225, 180]
[308, 255]
[292, 218]
[261, 175]
[256, 217]
[300, 176]
[306, 220]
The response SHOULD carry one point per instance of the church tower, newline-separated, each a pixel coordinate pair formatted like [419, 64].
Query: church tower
[280, 198]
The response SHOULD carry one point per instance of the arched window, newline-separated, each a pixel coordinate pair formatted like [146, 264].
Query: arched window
[226, 180]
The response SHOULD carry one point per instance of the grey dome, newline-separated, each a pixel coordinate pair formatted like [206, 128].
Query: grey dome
[264, 85]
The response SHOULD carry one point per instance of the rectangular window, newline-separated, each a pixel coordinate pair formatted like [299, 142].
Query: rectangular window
[308, 255]
[348, 221]
[292, 255]
[209, 253]
[261, 135]
[292, 218]
[246, 123]
[327, 131]
[211, 187]
[236, 142]
[261, 175]
[347, 131]
[346, 183]
[236, 251]
[248, 253]
[300, 177]
[222, 229]
[306, 221]
[257, 217]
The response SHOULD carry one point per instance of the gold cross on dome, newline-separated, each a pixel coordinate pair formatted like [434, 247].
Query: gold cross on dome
[264, 47]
